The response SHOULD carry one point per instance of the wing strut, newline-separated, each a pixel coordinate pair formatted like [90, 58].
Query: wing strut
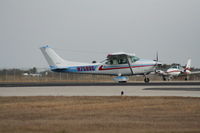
[129, 64]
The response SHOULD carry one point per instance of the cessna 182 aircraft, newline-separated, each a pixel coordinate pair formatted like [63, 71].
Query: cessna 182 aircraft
[176, 71]
[119, 64]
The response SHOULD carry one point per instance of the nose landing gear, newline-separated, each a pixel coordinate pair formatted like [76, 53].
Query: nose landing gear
[146, 80]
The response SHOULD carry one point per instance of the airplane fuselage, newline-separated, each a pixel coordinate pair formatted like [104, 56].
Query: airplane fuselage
[139, 67]
[173, 71]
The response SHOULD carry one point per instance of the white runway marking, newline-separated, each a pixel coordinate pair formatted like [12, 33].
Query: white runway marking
[185, 91]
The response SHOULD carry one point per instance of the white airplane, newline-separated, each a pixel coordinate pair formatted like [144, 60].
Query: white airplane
[176, 71]
[119, 64]
[32, 74]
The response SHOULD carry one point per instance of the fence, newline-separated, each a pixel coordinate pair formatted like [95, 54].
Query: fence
[16, 75]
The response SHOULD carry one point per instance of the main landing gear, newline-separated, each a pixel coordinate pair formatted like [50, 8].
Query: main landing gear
[146, 79]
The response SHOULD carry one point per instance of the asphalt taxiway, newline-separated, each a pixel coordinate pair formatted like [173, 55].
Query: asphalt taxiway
[45, 84]
[184, 89]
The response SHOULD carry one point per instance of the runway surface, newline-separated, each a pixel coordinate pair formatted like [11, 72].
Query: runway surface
[185, 89]
[37, 84]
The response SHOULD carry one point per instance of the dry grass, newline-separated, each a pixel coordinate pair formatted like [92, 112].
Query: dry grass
[99, 115]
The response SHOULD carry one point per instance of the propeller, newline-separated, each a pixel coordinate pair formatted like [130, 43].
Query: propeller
[157, 56]
[157, 63]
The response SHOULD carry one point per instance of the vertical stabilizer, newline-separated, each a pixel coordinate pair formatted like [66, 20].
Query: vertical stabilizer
[54, 60]
[188, 66]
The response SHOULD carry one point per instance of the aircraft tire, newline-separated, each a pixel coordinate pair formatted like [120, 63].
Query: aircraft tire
[146, 80]
[164, 79]
[122, 81]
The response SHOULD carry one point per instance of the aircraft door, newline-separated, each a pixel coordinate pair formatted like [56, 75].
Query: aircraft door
[129, 64]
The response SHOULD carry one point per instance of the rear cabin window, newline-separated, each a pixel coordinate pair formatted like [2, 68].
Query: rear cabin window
[115, 61]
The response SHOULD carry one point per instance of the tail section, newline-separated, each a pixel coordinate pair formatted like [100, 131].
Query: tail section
[187, 69]
[188, 66]
[54, 60]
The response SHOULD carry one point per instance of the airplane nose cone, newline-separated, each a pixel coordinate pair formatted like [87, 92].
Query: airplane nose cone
[159, 63]
[154, 62]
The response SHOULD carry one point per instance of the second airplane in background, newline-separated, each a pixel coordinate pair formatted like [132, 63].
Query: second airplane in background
[176, 71]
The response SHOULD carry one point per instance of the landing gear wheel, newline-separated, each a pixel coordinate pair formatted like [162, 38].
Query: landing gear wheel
[164, 78]
[122, 82]
[146, 80]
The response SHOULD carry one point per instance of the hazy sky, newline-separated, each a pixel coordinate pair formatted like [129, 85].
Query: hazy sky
[87, 30]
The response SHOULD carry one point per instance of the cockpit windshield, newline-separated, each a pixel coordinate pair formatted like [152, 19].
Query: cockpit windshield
[134, 58]
[176, 67]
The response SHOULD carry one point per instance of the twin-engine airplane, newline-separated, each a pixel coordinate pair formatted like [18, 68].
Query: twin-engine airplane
[120, 64]
[176, 71]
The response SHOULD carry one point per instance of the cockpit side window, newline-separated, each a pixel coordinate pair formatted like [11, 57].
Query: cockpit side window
[116, 61]
[176, 67]
[123, 61]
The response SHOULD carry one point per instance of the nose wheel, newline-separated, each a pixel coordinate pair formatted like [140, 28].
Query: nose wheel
[146, 79]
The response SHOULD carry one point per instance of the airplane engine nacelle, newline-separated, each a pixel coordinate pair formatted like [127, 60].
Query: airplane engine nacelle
[160, 72]
[121, 79]
[187, 72]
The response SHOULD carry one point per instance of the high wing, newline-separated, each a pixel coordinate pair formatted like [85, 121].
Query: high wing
[120, 54]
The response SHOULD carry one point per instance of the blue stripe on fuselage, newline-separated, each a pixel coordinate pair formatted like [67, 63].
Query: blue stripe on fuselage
[75, 69]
